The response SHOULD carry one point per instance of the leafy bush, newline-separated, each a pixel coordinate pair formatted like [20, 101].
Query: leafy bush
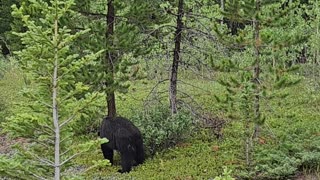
[226, 175]
[160, 129]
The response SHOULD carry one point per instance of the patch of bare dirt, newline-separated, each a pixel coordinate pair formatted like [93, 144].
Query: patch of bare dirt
[303, 176]
[6, 143]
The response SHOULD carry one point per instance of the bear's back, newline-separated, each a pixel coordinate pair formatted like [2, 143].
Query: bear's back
[118, 126]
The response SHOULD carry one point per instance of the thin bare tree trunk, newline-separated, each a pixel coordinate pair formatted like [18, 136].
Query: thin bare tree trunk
[222, 9]
[248, 151]
[317, 33]
[176, 59]
[256, 72]
[222, 4]
[110, 60]
[55, 107]
[248, 133]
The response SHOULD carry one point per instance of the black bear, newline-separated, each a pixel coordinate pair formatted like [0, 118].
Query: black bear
[124, 137]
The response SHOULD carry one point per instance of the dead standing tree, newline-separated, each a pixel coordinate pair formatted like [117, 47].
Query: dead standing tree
[176, 59]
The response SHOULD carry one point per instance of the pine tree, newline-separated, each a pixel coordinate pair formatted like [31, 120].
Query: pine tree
[124, 29]
[315, 25]
[250, 81]
[49, 116]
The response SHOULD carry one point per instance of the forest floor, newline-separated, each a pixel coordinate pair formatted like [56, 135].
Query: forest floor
[6, 144]
[311, 176]
[289, 146]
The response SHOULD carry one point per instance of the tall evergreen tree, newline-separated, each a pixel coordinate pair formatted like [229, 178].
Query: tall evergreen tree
[48, 118]
[251, 84]
[110, 59]
[124, 29]
[314, 14]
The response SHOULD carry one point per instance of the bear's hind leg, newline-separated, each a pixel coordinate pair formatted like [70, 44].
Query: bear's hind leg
[139, 155]
[126, 161]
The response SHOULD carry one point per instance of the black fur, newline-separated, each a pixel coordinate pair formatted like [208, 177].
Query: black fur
[124, 137]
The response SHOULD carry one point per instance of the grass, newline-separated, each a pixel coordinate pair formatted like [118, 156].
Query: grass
[11, 82]
[189, 160]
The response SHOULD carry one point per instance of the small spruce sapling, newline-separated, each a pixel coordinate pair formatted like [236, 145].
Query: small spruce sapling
[47, 119]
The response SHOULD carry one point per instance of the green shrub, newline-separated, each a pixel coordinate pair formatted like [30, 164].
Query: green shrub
[276, 164]
[226, 175]
[160, 129]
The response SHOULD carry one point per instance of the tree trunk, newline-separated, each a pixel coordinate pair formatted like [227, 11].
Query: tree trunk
[176, 59]
[256, 71]
[317, 35]
[222, 9]
[110, 60]
[55, 107]
[317, 50]
[222, 5]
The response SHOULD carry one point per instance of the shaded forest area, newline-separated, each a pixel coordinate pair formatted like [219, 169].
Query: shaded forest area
[220, 89]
